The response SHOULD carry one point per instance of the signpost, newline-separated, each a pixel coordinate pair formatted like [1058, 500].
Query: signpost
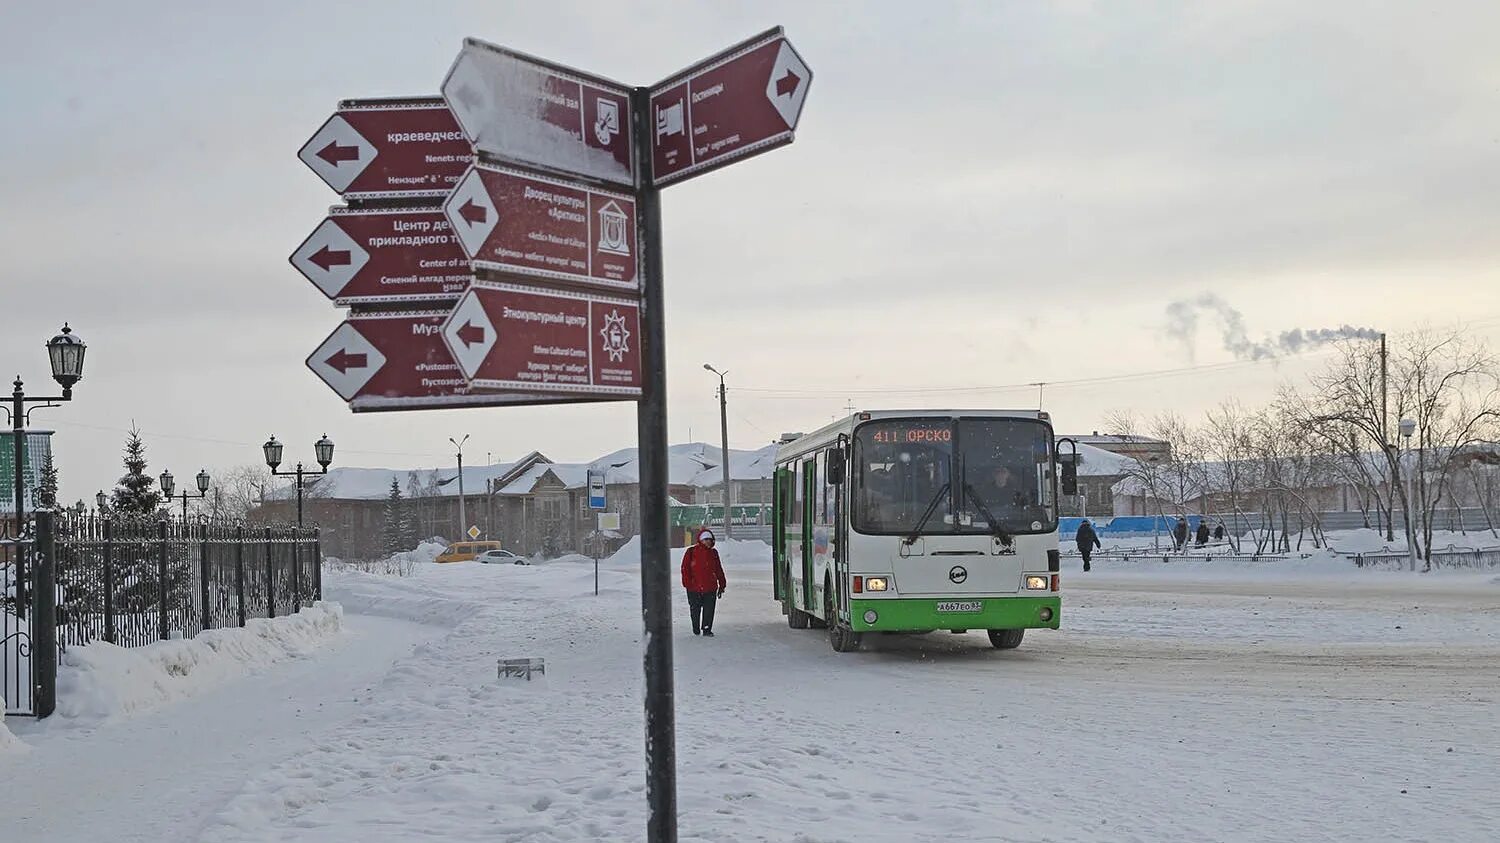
[528, 111]
[382, 148]
[549, 180]
[515, 338]
[514, 223]
[371, 256]
[596, 492]
[474, 533]
[741, 102]
[398, 361]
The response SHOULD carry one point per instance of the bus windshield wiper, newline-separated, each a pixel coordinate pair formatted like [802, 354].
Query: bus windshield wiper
[999, 533]
[916, 532]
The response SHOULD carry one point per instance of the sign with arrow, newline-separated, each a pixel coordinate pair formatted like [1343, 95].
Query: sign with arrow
[508, 221]
[522, 109]
[393, 255]
[379, 148]
[524, 339]
[738, 103]
[398, 361]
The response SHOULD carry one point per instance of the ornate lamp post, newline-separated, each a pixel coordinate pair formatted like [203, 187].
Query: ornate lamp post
[65, 353]
[168, 485]
[322, 449]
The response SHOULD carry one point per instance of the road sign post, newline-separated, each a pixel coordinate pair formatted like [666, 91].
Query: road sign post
[549, 240]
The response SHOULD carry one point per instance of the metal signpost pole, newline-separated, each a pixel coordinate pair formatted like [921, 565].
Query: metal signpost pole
[724, 440]
[656, 579]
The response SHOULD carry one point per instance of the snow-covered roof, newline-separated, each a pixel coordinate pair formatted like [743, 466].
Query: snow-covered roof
[1097, 462]
[375, 483]
[692, 464]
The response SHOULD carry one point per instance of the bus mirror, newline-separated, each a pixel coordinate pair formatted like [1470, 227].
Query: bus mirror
[1069, 478]
[835, 466]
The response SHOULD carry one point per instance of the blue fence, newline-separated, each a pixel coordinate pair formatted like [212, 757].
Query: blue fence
[1128, 525]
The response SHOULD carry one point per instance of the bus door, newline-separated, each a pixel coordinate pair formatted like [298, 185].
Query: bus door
[810, 583]
[781, 485]
[835, 478]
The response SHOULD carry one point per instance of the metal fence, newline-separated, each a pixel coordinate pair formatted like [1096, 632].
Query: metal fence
[134, 581]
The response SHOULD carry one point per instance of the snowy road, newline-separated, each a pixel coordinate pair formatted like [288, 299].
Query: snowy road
[1209, 709]
[163, 775]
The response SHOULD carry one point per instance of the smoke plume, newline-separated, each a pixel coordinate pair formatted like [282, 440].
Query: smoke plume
[1184, 316]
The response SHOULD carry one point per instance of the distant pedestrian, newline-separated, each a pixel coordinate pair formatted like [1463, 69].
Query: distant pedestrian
[1202, 535]
[1219, 532]
[1087, 540]
[703, 577]
[1180, 533]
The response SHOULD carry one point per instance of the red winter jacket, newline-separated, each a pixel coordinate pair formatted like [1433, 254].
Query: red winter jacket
[701, 569]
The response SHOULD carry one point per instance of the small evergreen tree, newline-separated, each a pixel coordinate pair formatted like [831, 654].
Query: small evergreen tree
[47, 488]
[394, 537]
[136, 493]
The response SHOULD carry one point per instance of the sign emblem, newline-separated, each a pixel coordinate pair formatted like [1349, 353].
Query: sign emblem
[612, 222]
[957, 574]
[616, 336]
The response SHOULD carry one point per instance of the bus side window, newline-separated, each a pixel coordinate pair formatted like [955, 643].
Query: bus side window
[798, 472]
[820, 501]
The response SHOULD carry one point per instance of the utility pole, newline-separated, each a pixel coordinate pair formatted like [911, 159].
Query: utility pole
[463, 518]
[724, 440]
[1039, 385]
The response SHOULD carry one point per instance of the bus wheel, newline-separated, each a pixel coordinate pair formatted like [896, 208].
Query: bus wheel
[1006, 639]
[796, 618]
[840, 637]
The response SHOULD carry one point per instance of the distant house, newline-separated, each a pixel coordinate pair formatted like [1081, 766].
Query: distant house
[532, 505]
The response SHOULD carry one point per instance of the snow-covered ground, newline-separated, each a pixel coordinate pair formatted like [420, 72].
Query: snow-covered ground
[1190, 701]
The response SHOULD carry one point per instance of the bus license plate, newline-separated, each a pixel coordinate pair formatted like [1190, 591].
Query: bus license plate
[961, 606]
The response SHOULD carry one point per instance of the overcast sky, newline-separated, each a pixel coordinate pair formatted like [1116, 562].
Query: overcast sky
[980, 195]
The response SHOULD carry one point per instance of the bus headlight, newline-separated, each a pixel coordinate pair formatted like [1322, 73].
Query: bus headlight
[870, 616]
[1036, 583]
[877, 583]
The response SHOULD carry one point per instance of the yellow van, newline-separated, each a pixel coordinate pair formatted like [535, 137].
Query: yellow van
[465, 551]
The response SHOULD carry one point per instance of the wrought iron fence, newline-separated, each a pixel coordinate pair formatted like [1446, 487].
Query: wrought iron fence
[132, 581]
[15, 629]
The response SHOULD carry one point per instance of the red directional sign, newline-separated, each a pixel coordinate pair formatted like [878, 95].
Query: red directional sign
[741, 102]
[509, 337]
[398, 361]
[389, 147]
[523, 109]
[371, 256]
[508, 221]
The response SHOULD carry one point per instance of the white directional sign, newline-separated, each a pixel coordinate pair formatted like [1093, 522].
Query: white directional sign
[346, 361]
[523, 109]
[330, 258]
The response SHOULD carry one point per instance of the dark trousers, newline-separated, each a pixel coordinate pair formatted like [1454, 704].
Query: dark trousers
[701, 605]
[1086, 552]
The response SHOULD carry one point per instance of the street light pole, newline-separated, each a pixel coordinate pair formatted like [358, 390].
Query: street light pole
[168, 484]
[724, 445]
[1408, 427]
[463, 518]
[323, 448]
[65, 353]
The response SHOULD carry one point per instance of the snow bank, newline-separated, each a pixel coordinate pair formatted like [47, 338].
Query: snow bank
[103, 681]
[8, 742]
[734, 553]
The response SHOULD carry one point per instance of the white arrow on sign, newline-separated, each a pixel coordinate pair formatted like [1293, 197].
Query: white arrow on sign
[469, 334]
[330, 258]
[346, 361]
[337, 153]
[787, 86]
[471, 212]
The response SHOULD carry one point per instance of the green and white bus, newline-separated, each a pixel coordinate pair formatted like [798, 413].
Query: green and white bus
[915, 521]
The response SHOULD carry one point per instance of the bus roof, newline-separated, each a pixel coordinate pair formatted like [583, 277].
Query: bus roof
[827, 434]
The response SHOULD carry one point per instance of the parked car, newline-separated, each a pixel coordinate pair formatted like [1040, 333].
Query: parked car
[465, 551]
[502, 557]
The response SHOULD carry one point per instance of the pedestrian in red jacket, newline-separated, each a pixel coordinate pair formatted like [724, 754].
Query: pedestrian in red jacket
[703, 577]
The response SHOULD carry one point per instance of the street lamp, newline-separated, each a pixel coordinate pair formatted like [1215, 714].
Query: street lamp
[322, 449]
[1407, 428]
[463, 519]
[101, 500]
[723, 444]
[65, 353]
[169, 486]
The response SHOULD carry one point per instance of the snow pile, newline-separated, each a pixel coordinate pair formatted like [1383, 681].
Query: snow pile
[8, 742]
[734, 553]
[102, 681]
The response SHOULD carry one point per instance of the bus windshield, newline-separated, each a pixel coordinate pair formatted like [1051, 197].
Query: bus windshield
[974, 476]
